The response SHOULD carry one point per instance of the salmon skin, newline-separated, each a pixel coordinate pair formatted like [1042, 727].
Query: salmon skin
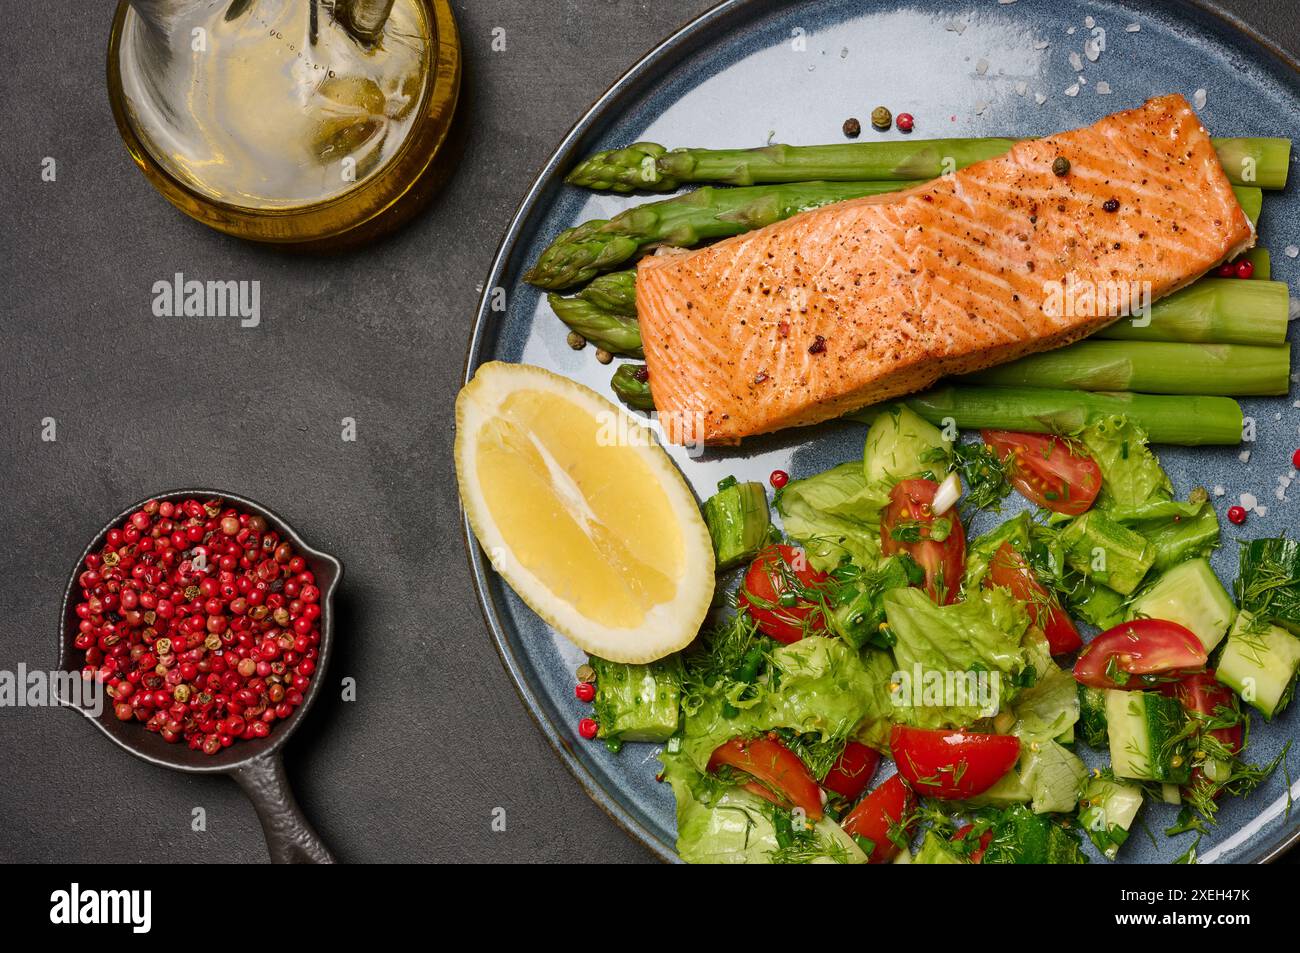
[872, 298]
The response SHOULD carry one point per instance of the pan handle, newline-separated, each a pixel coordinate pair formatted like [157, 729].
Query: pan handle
[289, 835]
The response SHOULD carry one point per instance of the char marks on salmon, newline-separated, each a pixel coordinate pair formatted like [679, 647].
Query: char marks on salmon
[869, 299]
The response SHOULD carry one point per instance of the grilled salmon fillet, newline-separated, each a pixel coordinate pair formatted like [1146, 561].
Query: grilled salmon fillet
[858, 302]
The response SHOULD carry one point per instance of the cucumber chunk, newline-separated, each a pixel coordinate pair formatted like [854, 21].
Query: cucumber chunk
[1107, 552]
[738, 521]
[1147, 737]
[1107, 811]
[637, 702]
[1092, 715]
[1191, 595]
[1259, 663]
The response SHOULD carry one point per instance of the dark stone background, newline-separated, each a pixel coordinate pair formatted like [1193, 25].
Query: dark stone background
[437, 739]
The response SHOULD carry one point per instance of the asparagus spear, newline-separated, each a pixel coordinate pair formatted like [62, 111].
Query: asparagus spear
[647, 166]
[1188, 421]
[579, 254]
[1213, 311]
[1150, 367]
[1251, 201]
[607, 330]
[1260, 161]
[631, 385]
[614, 292]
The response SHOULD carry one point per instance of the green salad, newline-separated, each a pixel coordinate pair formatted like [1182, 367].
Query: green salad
[872, 629]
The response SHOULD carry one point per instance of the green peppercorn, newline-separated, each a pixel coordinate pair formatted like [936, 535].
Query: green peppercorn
[881, 118]
[1061, 166]
[576, 341]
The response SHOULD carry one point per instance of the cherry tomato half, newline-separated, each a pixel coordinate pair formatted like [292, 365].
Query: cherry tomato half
[774, 593]
[1051, 471]
[1205, 695]
[1140, 647]
[878, 812]
[977, 854]
[778, 770]
[1010, 569]
[936, 543]
[952, 764]
[852, 772]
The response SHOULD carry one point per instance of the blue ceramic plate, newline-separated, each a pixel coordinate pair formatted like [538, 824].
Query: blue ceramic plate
[751, 72]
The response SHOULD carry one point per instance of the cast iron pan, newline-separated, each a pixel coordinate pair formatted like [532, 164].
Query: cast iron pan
[257, 765]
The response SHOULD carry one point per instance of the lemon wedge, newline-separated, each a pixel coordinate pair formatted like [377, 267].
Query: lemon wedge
[582, 512]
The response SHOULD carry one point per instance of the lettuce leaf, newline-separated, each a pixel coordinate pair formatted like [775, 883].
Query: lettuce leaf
[1130, 473]
[1054, 777]
[734, 828]
[834, 514]
[718, 824]
[1049, 708]
[942, 652]
[817, 686]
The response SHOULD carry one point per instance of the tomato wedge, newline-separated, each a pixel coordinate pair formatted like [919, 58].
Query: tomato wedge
[1010, 569]
[1054, 472]
[1118, 656]
[852, 772]
[952, 764]
[1205, 694]
[778, 769]
[937, 543]
[774, 594]
[986, 838]
[876, 814]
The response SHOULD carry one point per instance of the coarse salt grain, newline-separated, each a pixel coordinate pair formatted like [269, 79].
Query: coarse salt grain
[1219, 490]
[1244, 456]
[982, 67]
[1039, 98]
[1198, 99]
[1291, 251]
[1133, 28]
[1022, 88]
[1072, 90]
[1249, 500]
[1103, 88]
[1076, 61]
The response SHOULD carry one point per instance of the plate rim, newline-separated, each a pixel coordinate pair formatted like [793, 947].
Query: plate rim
[677, 44]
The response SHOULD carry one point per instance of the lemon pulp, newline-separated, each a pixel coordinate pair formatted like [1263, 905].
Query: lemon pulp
[566, 497]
